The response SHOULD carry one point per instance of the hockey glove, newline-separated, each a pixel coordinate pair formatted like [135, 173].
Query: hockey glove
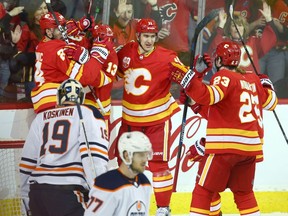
[266, 82]
[85, 24]
[101, 49]
[74, 28]
[77, 53]
[202, 64]
[181, 74]
[197, 151]
[191, 103]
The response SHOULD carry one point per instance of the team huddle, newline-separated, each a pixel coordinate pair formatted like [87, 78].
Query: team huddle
[64, 163]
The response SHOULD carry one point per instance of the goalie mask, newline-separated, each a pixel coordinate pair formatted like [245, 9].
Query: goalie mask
[132, 142]
[229, 52]
[70, 91]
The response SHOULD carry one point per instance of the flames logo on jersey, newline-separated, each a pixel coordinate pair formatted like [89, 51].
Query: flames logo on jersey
[137, 209]
[126, 62]
[168, 12]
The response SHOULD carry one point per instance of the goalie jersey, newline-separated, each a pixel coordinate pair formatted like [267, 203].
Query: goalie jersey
[114, 194]
[55, 150]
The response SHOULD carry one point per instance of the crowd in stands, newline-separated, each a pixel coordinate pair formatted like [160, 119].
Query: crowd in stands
[266, 40]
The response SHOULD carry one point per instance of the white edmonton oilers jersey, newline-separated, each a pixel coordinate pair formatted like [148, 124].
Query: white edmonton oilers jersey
[114, 194]
[55, 150]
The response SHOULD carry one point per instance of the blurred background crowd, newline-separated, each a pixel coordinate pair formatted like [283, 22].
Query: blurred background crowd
[267, 43]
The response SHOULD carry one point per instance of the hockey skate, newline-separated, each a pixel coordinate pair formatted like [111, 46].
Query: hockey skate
[163, 211]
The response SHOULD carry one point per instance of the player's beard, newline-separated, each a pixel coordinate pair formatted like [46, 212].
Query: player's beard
[136, 170]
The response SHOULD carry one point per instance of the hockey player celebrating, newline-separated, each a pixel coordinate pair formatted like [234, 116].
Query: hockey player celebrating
[60, 159]
[126, 190]
[147, 103]
[232, 136]
[56, 61]
[101, 32]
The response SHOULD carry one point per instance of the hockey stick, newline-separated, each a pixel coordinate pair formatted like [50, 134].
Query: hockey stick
[254, 67]
[64, 35]
[88, 15]
[97, 9]
[86, 140]
[89, 9]
[198, 29]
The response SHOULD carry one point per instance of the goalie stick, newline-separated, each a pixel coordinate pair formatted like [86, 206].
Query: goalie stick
[86, 140]
[254, 67]
[198, 29]
[64, 35]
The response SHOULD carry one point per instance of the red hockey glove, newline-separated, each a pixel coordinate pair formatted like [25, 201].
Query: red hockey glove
[101, 49]
[191, 103]
[74, 28]
[197, 151]
[84, 24]
[76, 53]
[266, 82]
[181, 74]
[202, 64]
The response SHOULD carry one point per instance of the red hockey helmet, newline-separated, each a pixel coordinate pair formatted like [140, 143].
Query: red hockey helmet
[102, 31]
[229, 52]
[146, 26]
[48, 21]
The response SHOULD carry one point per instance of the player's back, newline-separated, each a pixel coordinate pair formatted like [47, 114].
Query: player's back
[233, 121]
[56, 137]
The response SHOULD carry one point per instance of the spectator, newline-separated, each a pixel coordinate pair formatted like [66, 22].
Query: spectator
[9, 20]
[22, 64]
[123, 21]
[56, 169]
[147, 103]
[129, 191]
[232, 137]
[274, 63]
[257, 47]
[175, 23]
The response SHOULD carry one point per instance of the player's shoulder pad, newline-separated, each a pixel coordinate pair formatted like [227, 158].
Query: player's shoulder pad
[142, 179]
[119, 181]
[97, 114]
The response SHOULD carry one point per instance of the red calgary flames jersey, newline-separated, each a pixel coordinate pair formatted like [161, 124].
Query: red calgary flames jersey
[146, 98]
[53, 67]
[235, 112]
[104, 93]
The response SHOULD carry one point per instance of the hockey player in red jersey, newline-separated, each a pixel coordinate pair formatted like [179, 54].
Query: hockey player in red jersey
[232, 136]
[56, 61]
[126, 190]
[147, 103]
[57, 168]
[109, 67]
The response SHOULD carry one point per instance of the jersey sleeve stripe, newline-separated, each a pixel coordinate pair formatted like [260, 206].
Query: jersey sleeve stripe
[271, 101]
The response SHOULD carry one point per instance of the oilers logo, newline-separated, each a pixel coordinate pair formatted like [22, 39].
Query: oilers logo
[137, 209]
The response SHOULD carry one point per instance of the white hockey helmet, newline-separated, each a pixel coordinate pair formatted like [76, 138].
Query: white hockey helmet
[134, 141]
[70, 91]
